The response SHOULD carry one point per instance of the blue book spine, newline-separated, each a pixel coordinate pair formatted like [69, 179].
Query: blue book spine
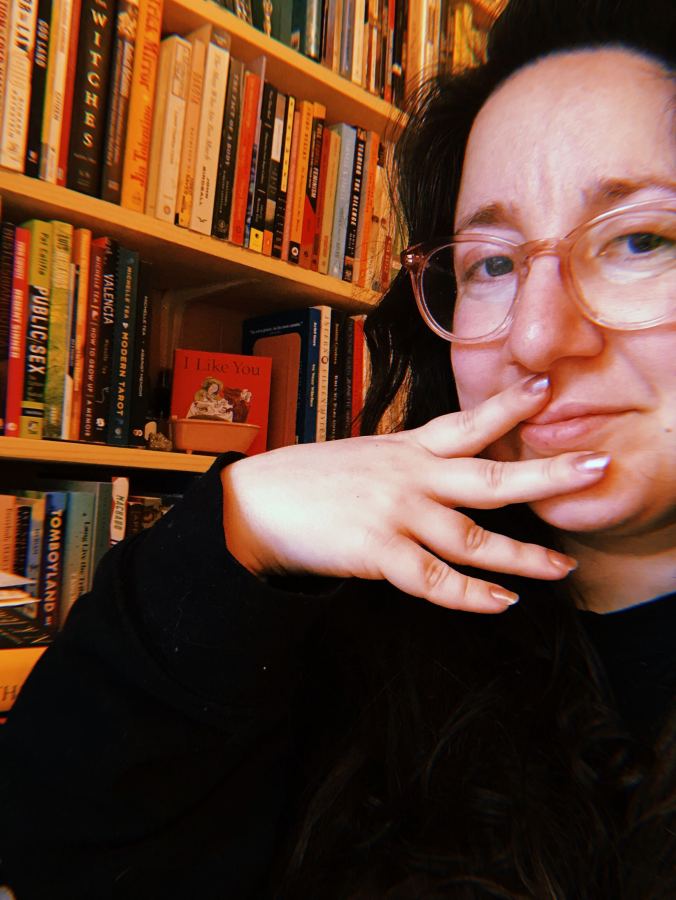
[77, 553]
[119, 414]
[348, 136]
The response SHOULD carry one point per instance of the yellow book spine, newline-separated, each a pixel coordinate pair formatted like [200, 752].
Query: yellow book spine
[306, 109]
[31, 423]
[59, 332]
[137, 148]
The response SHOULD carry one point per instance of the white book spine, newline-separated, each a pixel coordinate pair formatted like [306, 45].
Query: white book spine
[199, 41]
[174, 118]
[56, 78]
[157, 128]
[209, 136]
[17, 95]
[358, 41]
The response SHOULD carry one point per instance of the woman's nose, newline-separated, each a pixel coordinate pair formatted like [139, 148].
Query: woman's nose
[548, 325]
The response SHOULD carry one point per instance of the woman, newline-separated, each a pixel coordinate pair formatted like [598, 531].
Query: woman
[288, 718]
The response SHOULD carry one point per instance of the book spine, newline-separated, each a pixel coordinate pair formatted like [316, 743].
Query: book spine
[37, 330]
[118, 515]
[329, 200]
[5, 11]
[34, 548]
[68, 91]
[94, 294]
[309, 226]
[140, 113]
[364, 237]
[118, 99]
[73, 276]
[168, 130]
[353, 208]
[323, 371]
[209, 134]
[106, 340]
[274, 173]
[347, 39]
[247, 131]
[23, 521]
[358, 350]
[123, 347]
[267, 124]
[61, 249]
[282, 191]
[220, 226]
[308, 399]
[77, 551]
[322, 199]
[345, 427]
[338, 318]
[300, 179]
[342, 201]
[291, 186]
[7, 532]
[254, 165]
[57, 67]
[356, 74]
[313, 29]
[199, 42]
[51, 574]
[388, 55]
[140, 389]
[85, 153]
[16, 364]
[82, 239]
[16, 105]
[7, 240]
[38, 88]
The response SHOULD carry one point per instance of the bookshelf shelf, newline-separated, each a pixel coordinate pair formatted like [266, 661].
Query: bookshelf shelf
[100, 455]
[182, 257]
[290, 70]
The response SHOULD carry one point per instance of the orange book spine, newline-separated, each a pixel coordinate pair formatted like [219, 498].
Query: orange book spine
[300, 179]
[64, 144]
[139, 123]
[359, 349]
[321, 199]
[314, 171]
[247, 132]
[366, 211]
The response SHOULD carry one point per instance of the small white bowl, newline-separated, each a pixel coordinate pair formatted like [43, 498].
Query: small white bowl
[208, 436]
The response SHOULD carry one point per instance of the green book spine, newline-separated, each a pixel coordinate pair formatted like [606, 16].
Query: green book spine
[31, 424]
[62, 242]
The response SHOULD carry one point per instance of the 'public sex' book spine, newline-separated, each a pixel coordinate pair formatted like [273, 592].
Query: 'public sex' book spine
[89, 96]
[37, 329]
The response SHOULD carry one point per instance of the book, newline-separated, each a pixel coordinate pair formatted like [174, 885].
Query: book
[31, 424]
[337, 353]
[38, 88]
[199, 41]
[167, 130]
[327, 199]
[285, 173]
[266, 126]
[140, 113]
[140, 423]
[68, 91]
[36, 506]
[247, 132]
[353, 206]
[274, 173]
[255, 150]
[17, 86]
[209, 131]
[51, 563]
[366, 204]
[4, 26]
[82, 241]
[297, 208]
[220, 226]
[106, 336]
[16, 362]
[224, 387]
[77, 554]
[291, 339]
[7, 532]
[323, 371]
[101, 493]
[90, 91]
[309, 226]
[57, 67]
[22, 643]
[119, 94]
[59, 335]
[122, 351]
[359, 351]
[6, 283]
[91, 348]
[348, 139]
[118, 514]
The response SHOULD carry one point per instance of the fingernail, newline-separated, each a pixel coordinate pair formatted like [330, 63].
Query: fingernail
[592, 463]
[538, 384]
[504, 596]
[566, 563]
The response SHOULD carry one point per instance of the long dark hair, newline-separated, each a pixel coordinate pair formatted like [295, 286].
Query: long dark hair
[475, 757]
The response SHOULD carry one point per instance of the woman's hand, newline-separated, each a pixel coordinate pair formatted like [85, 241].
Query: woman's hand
[383, 507]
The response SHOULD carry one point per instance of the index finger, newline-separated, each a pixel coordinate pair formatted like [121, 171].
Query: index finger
[470, 431]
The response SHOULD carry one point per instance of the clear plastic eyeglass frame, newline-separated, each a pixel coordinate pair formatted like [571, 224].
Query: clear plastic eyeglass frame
[415, 258]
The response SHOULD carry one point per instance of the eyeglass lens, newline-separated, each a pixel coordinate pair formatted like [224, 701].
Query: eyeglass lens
[623, 271]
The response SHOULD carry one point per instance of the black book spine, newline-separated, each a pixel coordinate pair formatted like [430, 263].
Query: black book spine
[38, 88]
[353, 211]
[90, 95]
[140, 393]
[227, 157]
[285, 173]
[118, 99]
[92, 340]
[23, 521]
[398, 73]
[268, 107]
[338, 318]
[6, 273]
[123, 346]
[106, 340]
[347, 358]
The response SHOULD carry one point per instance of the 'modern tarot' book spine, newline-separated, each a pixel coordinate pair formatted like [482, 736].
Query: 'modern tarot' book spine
[123, 347]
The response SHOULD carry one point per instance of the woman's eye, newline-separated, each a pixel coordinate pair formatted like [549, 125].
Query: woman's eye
[644, 242]
[490, 267]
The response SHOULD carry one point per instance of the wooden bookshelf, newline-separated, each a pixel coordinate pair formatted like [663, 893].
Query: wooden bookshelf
[82, 454]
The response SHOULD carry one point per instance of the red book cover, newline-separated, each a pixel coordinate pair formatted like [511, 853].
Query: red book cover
[62, 165]
[223, 386]
[247, 133]
[17, 332]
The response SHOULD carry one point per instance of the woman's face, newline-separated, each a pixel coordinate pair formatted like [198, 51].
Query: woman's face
[561, 142]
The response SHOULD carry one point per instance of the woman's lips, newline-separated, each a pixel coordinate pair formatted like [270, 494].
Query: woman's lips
[572, 433]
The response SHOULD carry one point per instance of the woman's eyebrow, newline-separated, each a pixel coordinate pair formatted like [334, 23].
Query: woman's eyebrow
[490, 214]
[614, 190]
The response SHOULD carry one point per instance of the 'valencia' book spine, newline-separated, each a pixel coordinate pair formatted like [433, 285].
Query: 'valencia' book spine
[91, 347]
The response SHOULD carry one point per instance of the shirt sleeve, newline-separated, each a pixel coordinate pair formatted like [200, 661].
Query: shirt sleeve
[152, 738]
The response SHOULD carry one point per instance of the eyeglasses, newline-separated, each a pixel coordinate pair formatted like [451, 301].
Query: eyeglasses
[620, 269]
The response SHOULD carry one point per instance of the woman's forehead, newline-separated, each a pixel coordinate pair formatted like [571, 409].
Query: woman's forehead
[560, 127]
